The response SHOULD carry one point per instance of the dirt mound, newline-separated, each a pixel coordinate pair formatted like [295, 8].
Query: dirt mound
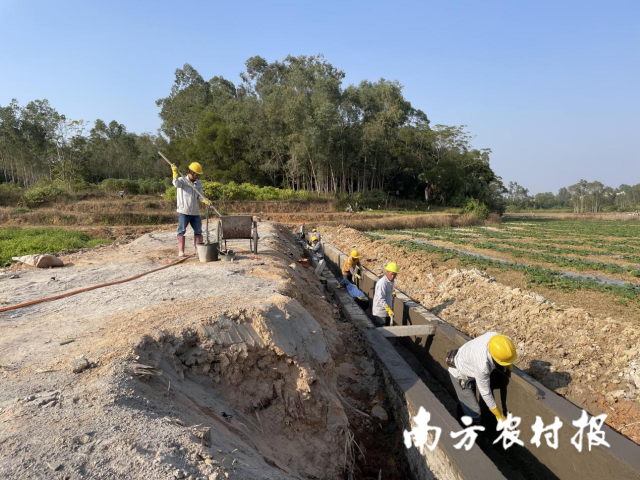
[197, 371]
[272, 367]
[594, 362]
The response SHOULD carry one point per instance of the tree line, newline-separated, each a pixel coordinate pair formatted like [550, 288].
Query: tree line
[290, 124]
[581, 197]
[37, 142]
[293, 124]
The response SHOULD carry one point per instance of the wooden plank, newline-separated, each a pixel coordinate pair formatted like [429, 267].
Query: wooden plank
[408, 331]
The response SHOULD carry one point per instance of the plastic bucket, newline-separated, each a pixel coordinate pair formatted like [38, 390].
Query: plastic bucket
[208, 252]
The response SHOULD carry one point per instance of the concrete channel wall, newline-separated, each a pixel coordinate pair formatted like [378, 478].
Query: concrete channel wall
[525, 397]
[407, 394]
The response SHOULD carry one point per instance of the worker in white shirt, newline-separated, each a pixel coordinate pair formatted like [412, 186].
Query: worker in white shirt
[188, 204]
[471, 368]
[382, 308]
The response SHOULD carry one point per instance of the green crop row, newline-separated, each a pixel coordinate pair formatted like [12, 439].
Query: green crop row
[448, 235]
[610, 248]
[535, 275]
[623, 229]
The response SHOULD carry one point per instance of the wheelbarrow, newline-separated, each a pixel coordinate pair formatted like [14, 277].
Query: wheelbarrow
[238, 227]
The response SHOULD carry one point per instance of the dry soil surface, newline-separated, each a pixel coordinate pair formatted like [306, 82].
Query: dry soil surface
[199, 371]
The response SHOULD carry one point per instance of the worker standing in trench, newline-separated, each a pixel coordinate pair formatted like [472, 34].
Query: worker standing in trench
[351, 267]
[471, 365]
[383, 297]
[188, 205]
[318, 250]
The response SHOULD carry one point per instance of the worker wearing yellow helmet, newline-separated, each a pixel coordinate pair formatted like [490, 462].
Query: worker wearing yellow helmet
[316, 247]
[351, 267]
[470, 367]
[382, 307]
[316, 233]
[188, 204]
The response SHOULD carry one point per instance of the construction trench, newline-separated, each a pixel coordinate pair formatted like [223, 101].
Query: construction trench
[247, 369]
[416, 373]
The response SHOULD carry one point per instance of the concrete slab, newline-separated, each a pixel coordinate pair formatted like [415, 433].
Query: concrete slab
[408, 331]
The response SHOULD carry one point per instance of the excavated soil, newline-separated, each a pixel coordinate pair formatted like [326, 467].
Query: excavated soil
[202, 371]
[594, 361]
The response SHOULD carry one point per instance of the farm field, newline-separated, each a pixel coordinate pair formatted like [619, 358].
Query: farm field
[578, 335]
[564, 255]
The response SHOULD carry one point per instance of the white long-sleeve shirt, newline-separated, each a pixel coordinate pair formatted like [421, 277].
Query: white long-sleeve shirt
[382, 297]
[474, 360]
[188, 200]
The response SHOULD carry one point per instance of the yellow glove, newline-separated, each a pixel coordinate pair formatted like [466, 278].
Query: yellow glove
[174, 169]
[207, 202]
[389, 311]
[357, 276]
[498, 415]
[393, 293]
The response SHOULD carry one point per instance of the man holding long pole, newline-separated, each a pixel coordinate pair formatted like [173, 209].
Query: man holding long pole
[189, 189]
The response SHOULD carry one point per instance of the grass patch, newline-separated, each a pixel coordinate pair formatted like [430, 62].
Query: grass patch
[15, 242]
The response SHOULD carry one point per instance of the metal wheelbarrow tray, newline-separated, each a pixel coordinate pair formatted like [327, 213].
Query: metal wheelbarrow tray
[238, 227]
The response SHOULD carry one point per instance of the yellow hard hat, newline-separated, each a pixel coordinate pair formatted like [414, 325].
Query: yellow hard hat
[502, 349]
[314, 229]
[313, 239]
[195, 167]
[392, 267]
[355, 254]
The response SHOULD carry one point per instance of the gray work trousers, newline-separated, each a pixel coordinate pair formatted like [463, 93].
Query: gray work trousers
[320, 268]
[467, 397]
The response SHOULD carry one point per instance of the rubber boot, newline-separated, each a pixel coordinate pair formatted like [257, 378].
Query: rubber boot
[181, 241]
[196, 240]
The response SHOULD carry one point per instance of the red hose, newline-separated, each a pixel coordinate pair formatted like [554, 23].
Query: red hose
[75, 292]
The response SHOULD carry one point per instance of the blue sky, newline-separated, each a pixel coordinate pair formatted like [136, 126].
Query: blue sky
[553, 88]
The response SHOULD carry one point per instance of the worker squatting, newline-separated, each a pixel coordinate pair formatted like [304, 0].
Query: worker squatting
[470, 367]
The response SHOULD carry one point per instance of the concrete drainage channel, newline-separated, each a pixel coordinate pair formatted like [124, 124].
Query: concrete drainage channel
[416, 376]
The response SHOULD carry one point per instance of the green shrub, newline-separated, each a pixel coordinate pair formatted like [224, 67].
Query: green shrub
[150, 186]
[476, 208]
[10, 193]
[374, 199]
[115, 185]
[44, 192]
[233, 192]
[171, 194]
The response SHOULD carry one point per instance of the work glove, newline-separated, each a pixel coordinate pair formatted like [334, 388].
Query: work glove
[393, 292]
[389, 311]
[174, 169]
[207, 202]
[357, 276]
[498, 414]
